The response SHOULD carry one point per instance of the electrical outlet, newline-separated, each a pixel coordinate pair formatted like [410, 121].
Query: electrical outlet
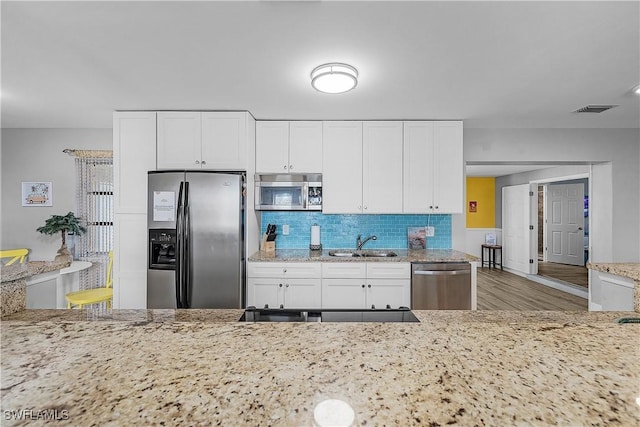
[431, 231]
[285, 229]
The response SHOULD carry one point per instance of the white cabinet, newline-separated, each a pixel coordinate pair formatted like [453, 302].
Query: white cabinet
[366, 285]
[382, 167]
[289, 147]
[134, 154]
[202, 140]
[433, 167]
[342, 164]
[362, 167]
[609, 292]
[284, 285]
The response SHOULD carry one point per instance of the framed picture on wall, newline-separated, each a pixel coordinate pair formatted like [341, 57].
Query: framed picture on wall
[37, 194]
[490, 239]
[417, 237]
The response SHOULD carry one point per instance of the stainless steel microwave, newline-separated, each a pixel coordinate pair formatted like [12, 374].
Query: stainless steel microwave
[288, 192]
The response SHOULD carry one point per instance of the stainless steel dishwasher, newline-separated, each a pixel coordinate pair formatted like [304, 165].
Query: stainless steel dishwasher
[441, 286]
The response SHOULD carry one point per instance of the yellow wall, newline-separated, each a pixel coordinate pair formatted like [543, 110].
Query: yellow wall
[483, 191]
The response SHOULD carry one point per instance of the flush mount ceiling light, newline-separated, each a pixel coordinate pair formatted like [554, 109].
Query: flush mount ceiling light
[334, 78]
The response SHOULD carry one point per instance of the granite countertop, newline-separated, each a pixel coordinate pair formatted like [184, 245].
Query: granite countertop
[630, 270]
[201, 367]
[30, 268]
[404, 255]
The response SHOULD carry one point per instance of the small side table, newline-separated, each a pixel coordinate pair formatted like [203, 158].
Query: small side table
[491, 258]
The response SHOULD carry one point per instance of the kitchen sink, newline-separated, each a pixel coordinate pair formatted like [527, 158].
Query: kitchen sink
[368, 253]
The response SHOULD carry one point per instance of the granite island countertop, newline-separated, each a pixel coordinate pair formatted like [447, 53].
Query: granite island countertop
[13, 282]
[201, 367]
[404, 255]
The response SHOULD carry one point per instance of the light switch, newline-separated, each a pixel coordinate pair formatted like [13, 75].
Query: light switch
[285, 229]
[430, 231]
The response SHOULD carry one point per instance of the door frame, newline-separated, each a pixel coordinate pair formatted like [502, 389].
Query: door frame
[545, 182]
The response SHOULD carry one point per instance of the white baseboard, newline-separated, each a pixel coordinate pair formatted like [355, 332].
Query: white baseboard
[561, 286]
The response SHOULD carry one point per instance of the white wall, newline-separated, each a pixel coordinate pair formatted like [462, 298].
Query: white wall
[615, 199]
[36, 155]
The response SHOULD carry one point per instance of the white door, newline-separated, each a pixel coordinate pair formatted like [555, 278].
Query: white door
[342, 164]
[392, 292]
[305, 147]
[382, 167]
[263, 291]
[448, 167]
[224, 141]
[272, 147]
[418, 167]
[565, 223]
[179, 140]
[518, 227]
[302, 293]
[343, 293]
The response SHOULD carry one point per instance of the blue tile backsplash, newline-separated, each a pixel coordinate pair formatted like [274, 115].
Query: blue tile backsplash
[340, 231]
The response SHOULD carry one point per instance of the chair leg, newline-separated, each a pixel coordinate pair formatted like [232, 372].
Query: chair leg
[68, 306]
[108, 303]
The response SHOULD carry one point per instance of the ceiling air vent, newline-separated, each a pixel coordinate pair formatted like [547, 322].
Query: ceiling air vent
[594, 108]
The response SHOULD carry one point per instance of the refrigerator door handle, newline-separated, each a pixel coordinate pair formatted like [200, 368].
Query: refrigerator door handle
[179, 249]
[186, 283]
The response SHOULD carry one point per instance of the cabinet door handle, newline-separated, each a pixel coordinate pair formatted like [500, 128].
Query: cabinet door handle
[284, 270]
[430, 207]
[362, 286]
[197, 162]
[287, 285]
[369, 285]
[437, 207]
[285, 167]
[373, 307]
[280, 285]
[290, 167]
[359, 207]
[365, 208]
[204, 162]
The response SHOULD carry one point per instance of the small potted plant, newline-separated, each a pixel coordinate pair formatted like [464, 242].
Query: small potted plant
[64, 224]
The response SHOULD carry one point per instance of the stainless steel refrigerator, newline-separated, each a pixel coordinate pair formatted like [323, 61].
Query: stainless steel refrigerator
[196, 241]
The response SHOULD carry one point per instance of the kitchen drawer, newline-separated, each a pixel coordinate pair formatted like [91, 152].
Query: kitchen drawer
[384, 270]
[311, 270]
[344, 270]
[284, 269]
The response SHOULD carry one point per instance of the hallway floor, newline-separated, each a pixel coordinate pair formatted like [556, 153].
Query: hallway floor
[501, 290]
[575, 274]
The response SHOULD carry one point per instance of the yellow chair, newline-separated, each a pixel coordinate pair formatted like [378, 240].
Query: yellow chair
[95, 295]
[15, 255]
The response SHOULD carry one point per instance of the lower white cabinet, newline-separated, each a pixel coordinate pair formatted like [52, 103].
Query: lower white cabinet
[366, 285]
[355, 285]
[609, 292]
[284, 285]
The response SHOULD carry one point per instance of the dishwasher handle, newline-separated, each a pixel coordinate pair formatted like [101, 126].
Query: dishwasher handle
[440, 272]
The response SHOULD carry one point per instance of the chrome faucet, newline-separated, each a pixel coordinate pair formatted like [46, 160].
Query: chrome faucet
[360, 243]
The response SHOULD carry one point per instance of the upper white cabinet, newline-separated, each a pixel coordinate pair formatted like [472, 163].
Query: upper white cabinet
[362, 167]
[342, 163]
[202, 140]
[433, 167]
[134, 154]
[382, 167]
[289, 147]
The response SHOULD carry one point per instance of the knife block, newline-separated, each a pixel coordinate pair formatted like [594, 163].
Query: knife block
[267, 247]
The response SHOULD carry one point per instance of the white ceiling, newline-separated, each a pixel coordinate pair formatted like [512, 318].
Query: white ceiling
[491, 64]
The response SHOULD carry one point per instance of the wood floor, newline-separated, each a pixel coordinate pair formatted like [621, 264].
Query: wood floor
[501, 290]
[578, 275]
